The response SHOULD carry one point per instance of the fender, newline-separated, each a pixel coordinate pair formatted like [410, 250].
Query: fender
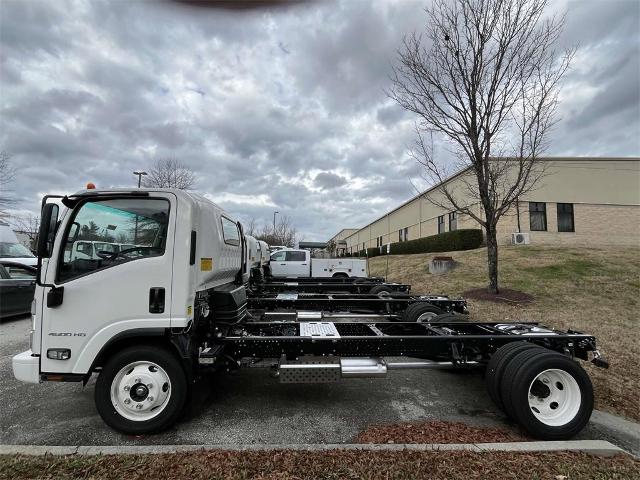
[179, 345]
[94, 347]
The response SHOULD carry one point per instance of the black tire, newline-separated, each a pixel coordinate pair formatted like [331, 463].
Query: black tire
[521, 373]
[414, 311]
[377, 289]
[340, 275]
[496, 367]
[175, 403]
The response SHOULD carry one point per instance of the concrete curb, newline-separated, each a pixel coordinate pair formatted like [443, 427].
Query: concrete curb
[594, 447]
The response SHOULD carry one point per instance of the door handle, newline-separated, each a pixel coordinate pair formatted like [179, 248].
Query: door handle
[156, 300]
[303, 264]
[283, 264]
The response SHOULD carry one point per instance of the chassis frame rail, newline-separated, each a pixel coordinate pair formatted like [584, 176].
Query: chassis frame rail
[458, 342]
[355, 303]
[323, 285]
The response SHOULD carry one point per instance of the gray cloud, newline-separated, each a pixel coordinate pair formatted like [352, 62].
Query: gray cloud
[328, 180]
[279, 108]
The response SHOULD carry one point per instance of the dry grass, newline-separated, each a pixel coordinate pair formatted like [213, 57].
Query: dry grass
[593, 290]
[336, 464]
[436, 432]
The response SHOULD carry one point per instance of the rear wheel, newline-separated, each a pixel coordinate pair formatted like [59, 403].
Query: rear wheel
[547, 393]
[421, 312]
[340, 275]
[141, 390]
[380, 289]
[497, 365]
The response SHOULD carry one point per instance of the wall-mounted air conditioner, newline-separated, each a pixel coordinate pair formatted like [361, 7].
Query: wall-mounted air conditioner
[520, 238]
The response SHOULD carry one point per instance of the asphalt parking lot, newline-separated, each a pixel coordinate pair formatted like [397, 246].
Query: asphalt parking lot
[252, 407]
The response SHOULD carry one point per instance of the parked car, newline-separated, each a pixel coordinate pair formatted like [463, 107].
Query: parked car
[11, 249]
[17, 284]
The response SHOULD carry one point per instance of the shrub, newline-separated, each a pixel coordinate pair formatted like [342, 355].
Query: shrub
[373, 252]
[466, 239]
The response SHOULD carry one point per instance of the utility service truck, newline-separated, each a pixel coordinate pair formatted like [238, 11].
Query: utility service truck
[150, 319]
[293, 263]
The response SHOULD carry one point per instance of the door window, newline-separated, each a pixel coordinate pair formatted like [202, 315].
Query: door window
[278, 256]
[97, 227]
[230, 232]
[296, 257]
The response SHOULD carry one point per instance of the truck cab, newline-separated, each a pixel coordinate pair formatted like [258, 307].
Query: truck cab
[87, 308]
[289, 262]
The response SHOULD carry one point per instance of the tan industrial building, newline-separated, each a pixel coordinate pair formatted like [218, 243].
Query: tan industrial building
[579, 200]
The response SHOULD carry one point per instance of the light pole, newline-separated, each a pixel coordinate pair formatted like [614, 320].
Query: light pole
[140, 174]
[274, 223]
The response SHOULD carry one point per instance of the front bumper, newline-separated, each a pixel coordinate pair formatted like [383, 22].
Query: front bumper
[26, 367]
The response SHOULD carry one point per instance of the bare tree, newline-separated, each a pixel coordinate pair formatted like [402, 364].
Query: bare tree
[170, 173]
[28, 224]
[285, 233]
[7, 175]
[486, 77]
[251, 228]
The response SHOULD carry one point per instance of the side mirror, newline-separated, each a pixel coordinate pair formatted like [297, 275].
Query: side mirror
[47, 232]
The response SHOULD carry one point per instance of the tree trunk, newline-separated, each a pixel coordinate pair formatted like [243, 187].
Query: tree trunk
[492, 258]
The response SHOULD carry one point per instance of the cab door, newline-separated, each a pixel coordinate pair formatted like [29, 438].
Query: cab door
[297, 263]
[278, 264]
[98, 298]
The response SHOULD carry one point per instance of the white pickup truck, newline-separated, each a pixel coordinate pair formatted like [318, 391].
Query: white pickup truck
[298, 263]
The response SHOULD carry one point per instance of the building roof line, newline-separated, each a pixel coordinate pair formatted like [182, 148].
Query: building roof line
[460, 172]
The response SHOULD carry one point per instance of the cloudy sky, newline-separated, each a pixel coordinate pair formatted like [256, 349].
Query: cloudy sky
[281, 108]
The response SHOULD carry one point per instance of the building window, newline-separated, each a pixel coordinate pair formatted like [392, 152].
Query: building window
[565, 217]
[538, 216]
[406, 234]
[403, 234]
[453, 221]
[441, 224]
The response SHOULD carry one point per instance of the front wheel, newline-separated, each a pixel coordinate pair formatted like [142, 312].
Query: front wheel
[141, 390]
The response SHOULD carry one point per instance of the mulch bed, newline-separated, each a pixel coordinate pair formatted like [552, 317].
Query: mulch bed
[506, 295]
[335, 464]
[436, 432]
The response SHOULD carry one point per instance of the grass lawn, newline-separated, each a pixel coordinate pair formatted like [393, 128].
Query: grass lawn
[289, 465]
[595, 290]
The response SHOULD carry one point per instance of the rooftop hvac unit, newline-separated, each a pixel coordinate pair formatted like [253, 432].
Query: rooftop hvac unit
[520, 238]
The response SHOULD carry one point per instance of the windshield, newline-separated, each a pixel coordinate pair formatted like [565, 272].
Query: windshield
[14, 250]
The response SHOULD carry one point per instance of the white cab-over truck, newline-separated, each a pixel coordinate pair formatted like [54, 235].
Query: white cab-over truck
[292, 263]
[150, 319]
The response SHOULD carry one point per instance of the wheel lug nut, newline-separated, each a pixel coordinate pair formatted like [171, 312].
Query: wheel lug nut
[139, 406]
[150, 399]
[137, 380]
[545, 380]
[149, 385]
[127, 388]
[127, 401]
